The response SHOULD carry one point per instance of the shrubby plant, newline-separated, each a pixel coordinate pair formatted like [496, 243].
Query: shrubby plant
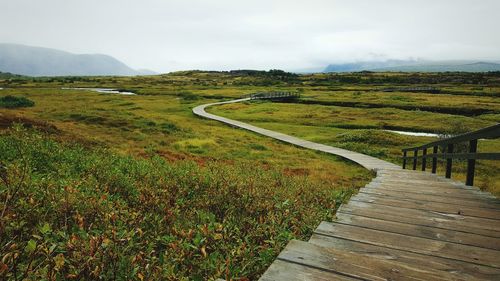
[69, 212]
[14, 102]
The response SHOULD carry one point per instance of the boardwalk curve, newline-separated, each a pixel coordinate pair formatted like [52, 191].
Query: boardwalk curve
[366, 161]
[404, 225]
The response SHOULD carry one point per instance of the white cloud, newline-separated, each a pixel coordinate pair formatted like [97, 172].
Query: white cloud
[167, 35]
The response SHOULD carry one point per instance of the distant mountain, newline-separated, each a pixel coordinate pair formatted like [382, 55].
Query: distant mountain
[37, 61]
[8, 75]
[415, 66]
[442, 67]
[366, 65]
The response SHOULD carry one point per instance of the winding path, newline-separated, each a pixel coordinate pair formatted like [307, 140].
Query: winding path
[366, 161]
[404, 225]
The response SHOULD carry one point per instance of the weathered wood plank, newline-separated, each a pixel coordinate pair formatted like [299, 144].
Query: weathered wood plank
[432, 206]
[422, 176]
[420, 231]
[282, 270]
[455, 269]
[470, 202]
[419, 184]
[442, 187]
[423, 217]
[355, 265]
[404, 177]
[431, 198]
[432, 191]
[433, 185]
[429, 247]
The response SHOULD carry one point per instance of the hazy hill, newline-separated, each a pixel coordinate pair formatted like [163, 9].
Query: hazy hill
[415, 66]
[8, 75]
[366, 65]
[442, 67]
[37, 61]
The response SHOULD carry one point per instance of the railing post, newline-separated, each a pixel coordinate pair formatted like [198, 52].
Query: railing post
[404, 159]
[424, 159]
[434, 159]
[415, 155]
[449, 161]
[471, 163]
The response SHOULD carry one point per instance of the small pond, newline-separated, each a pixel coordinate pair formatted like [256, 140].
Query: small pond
[416, 134]
[103, 90]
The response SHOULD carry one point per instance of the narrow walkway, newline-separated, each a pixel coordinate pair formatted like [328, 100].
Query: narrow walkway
[404, 225]
[366, 161]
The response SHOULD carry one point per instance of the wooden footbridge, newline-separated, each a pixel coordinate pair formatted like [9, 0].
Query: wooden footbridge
[404, 225]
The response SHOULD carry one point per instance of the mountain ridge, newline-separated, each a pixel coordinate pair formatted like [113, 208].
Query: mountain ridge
[41, 61]
[416, 66]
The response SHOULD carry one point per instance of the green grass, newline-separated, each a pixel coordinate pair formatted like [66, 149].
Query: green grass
[362, 130]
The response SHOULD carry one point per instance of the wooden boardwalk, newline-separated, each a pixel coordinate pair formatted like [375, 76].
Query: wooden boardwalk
[404, 225]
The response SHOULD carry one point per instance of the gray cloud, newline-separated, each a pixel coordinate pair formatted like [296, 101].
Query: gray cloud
[167, 35]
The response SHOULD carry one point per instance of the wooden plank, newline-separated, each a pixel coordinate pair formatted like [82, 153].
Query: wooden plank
[455, 269]
[422, 217]
[434, 198]
[423, 181]
[437, 192]
[425, 246]
[432, 185]
[409, 174]
[492, 214]
[286, 271]
[420, 231]
[425, 184]
[426, 178]
[355, 265]
[410, 184]
[431, 198]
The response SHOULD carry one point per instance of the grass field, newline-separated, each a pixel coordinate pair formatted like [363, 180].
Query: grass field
[136, 187]
[364, 130]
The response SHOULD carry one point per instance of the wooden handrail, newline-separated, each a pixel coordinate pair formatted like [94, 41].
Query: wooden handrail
[484, 156]
[491, 132]
[448, 153]
[272, 95]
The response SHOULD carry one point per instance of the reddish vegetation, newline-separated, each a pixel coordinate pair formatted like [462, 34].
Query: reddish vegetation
[6, 121]
[296, 171]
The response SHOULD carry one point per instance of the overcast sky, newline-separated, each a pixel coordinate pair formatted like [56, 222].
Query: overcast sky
[167, 35]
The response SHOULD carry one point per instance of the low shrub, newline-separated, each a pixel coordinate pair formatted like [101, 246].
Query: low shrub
[15, 102]
[89, 214]
[187, 96]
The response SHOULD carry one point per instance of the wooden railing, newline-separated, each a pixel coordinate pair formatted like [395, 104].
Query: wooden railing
[433, 90]
[447, 152]
[273, 95]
